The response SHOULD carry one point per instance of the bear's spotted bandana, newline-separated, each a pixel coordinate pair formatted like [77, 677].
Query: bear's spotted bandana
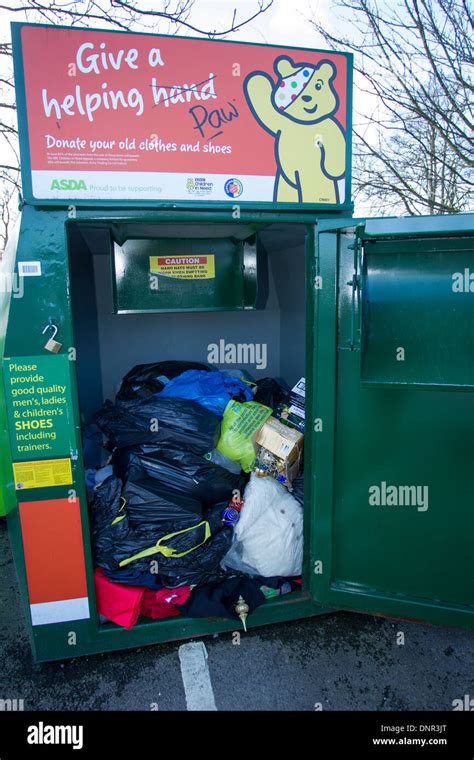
[288, 88]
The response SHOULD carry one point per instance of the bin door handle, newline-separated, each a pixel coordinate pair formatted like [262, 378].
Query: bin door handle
[354, 283]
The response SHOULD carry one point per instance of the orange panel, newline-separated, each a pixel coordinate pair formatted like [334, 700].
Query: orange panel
[54, 550]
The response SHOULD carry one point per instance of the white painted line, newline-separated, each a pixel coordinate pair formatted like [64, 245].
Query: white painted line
[196, 678]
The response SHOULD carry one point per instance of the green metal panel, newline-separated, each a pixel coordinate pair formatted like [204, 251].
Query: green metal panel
[8, 281]
[392, 477]
[42, 238]
[416, 298]
[224, 279]
[417, 226]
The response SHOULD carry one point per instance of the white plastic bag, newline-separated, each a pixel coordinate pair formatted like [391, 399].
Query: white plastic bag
[268, 538]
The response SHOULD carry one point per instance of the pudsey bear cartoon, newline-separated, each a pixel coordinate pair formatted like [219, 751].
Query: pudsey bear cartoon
[298, 110]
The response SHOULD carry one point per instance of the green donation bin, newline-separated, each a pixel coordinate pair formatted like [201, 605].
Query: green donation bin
[376, 314]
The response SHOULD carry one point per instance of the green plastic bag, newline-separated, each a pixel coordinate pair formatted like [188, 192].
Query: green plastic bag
[239, 424]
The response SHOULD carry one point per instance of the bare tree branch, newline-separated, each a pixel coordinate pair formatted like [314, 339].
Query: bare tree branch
[415, 150]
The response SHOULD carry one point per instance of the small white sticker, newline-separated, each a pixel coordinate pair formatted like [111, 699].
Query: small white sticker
[29, 268]
[299, 388]
[296, 410]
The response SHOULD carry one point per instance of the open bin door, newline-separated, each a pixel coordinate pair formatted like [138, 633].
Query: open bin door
[393, 375]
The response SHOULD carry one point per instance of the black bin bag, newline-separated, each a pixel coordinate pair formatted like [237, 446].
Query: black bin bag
[176, 553]
[150, 508]
[178, 469]
[180, 556]
[159, 420]
[270, 393]
[109, 520]
[144, 380]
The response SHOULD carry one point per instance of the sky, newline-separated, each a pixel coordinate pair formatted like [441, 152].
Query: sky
[284, 23]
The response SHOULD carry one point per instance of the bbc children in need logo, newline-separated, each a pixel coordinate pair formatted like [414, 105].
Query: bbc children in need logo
[199, 186]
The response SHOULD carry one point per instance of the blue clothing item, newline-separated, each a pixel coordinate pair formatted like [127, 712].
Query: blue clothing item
[213, 390]
[96, 477]
[90, 481]
[132, 577]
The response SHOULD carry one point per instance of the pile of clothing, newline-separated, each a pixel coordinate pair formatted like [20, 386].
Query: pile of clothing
[180, 523]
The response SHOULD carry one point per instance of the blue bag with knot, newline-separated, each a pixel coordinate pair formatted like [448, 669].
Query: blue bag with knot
[213, 390]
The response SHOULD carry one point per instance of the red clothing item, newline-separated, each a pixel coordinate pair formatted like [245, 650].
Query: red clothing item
[160, 604]
[116, 601]
[122, 604]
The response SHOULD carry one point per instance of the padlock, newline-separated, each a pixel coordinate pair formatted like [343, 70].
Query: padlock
[52, 345]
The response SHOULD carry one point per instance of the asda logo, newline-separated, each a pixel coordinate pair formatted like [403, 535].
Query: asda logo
[68, 184]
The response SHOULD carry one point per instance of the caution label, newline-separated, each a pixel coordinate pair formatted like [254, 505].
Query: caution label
[49, 472]
[184, 267]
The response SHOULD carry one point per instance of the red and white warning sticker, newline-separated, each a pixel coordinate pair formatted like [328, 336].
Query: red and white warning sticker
[184, 267]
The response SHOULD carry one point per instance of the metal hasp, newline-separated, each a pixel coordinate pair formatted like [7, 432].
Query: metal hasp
[393, 514]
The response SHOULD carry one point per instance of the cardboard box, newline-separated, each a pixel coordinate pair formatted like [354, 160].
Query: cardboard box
[285, 443]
